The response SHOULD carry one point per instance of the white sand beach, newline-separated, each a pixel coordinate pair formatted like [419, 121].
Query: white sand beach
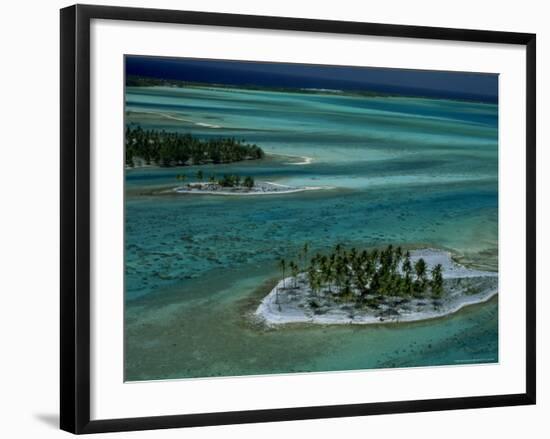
[296, 159]
[304, 160]
[259, 188]
[179, 118]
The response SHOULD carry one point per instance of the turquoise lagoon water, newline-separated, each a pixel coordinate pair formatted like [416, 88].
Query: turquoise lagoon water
[407, 171]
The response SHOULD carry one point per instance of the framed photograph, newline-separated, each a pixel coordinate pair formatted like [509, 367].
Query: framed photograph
[268, 218]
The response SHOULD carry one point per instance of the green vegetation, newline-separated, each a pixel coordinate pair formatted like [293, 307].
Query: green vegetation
[363, 275]
[176, 149]
[227, 180]
[248, 182]
[230, 181]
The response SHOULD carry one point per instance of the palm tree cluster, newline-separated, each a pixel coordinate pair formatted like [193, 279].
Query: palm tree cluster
[354, 274]
[177, 149]
[227, 180]
[236, 181]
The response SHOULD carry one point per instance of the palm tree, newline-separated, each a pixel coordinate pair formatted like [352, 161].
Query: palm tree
[375, 254]
[437, 281]
[406, 267]
[374, 285]
[407, 270]
[248, 182]
[358, 274]
[314, 265]
[420, 269]
[399, 253]
[397, 258]
[407, 286]
[313, 279]
[305, 250]
[294, 271]
[369, 270]
[282, 266]
[339, 272]
[326, 269]
[385, 261]
[352, 254]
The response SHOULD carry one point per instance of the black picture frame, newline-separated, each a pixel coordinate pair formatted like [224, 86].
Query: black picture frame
[75, 217]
